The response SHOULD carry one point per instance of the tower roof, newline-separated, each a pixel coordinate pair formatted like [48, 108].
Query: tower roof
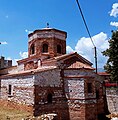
[47, 29]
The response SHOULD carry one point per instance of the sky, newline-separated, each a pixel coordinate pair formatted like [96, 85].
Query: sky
[18, 18]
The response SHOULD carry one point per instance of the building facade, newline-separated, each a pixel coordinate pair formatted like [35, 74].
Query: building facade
[5, 63]
[51, 81]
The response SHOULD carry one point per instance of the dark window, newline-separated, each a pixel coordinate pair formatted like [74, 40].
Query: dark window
[58, 49]
[49, 98]
[32, 49]
[9, 92]
[97, 94]
[89, 86]
[45, 48]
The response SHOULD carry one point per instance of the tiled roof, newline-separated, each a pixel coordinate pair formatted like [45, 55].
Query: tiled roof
[103, 73]
[29, 72]
[29, 58]
[78, 76]
[67, 56]
[46, 29]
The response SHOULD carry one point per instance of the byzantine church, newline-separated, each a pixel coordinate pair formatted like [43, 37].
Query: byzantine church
[51, 81]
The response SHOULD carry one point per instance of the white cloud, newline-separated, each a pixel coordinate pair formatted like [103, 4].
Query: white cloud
[28, 32]
[114, 11]
[85, 48]
[69, 49]
[4, 43]
[114, 24]
[23, 55]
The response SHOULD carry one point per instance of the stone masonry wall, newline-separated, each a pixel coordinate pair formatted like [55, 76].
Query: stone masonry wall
[79, 100]
[112, 100]
[22, 89]
[50, 82]
[48, 78]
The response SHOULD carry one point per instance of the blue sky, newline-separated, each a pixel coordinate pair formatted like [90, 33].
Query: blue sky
[19, 17]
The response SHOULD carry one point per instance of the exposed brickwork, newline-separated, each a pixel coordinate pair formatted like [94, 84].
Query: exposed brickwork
[58, 105]
[30, 65]
[52, 43]
[77, 93]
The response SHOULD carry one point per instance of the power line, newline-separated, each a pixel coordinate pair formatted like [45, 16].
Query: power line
[88, 32]
[85, 22]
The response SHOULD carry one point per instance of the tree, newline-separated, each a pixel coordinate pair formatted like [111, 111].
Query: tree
[112, 53]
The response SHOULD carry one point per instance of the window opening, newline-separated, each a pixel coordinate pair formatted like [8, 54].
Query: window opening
[97, 94]
[32, 49]
[58, 49]
[9, 89]
[49, 98]
[45, 48]
[89, 86]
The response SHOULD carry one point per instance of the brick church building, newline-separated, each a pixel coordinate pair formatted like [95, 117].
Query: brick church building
[51, 81]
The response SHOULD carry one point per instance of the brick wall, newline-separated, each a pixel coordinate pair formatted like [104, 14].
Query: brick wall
[50, 82]
[83, 105]
[52, 46]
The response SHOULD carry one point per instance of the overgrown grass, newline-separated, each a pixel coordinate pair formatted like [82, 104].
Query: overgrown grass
[12, 114]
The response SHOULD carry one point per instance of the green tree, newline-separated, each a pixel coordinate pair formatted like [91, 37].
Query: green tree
[112, 53]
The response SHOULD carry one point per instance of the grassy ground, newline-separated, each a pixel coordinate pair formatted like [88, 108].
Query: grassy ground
[12, 114]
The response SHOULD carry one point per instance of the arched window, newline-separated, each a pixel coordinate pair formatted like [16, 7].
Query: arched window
[45, 48]
[49, 98]
[32, 49]
[58, 49]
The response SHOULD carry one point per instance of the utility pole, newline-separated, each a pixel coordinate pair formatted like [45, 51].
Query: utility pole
[95, 58]
[88, 33]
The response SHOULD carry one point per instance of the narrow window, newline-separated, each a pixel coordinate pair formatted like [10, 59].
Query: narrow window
[45, 48]
[89, 86]
[58, 49]
[9, 89]
[97, 94]
[32, 49]
[49, 98]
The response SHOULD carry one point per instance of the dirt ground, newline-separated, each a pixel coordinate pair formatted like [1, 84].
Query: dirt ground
[12, 114]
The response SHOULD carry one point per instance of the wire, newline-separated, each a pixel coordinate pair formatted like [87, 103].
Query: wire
[88, 33]
[85, 22]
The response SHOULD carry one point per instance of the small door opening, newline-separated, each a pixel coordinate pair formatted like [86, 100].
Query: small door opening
[49, 98]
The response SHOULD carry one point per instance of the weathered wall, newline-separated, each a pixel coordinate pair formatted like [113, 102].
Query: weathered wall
[112, 100]
[79, 100]
[69, 97]
[22, 89]
[50, 82]
[52, 46]
[50, 78]
[9, 70]
[51, 37]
